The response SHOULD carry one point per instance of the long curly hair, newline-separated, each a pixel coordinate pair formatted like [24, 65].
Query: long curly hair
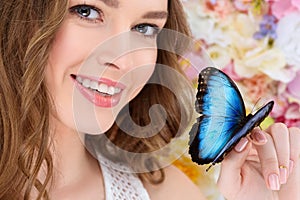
[27, 31]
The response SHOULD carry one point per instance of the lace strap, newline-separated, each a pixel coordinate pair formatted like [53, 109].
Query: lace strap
[120, 184]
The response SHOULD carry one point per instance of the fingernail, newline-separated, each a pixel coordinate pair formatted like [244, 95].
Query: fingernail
[259, 136]
[283, 175]
[274, 182]
[241, 145]
[291, 167]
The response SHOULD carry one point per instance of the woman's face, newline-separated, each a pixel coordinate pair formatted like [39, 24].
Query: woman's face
[102, 56]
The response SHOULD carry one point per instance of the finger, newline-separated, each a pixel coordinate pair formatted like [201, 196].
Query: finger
[241, 145]
[294, 147]
[281, 138]
[258, 136]
[230, 175]
[268, 157]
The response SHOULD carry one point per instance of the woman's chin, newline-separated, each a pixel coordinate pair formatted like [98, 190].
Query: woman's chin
[95, 129]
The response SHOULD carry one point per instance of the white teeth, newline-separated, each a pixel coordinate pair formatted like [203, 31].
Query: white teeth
[102, 88]
[79, 79]
[94, 85]
[111, 90]
[86, 83]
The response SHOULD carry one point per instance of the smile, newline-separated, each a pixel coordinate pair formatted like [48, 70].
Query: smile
[102, 88]
[102, 93]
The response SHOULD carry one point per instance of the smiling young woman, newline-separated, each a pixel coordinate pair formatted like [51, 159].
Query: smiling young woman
[43, 46]
[80, 84]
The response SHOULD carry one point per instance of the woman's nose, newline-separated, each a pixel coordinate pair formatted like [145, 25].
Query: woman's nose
[117, 51]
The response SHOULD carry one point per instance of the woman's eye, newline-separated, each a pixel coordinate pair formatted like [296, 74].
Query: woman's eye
[87, 12]
[148, 30]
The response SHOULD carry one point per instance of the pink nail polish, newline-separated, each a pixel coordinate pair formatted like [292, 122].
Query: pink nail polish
[241, 145]
[259, 136]
[283, 175]
[274, 182]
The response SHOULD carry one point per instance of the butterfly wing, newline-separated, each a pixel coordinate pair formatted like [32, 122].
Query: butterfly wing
[248, 124]
[222, 110]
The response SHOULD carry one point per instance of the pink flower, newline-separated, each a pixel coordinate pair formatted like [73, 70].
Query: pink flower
[287, 109]
[257, 87]
[194, 61]
[294, 87]
[280, 106]
[221, 7]
[291, 116]
[283, 7]
[229, 70]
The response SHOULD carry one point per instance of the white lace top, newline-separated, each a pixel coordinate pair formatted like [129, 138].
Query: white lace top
[119, 183]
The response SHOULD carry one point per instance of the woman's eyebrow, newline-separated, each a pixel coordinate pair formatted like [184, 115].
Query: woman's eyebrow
[148, 15]
[111, 3]
[155, 15]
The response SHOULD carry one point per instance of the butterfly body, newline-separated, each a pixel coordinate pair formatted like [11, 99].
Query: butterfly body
[223, 121]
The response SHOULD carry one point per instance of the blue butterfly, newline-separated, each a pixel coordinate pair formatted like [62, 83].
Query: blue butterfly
[223, 121]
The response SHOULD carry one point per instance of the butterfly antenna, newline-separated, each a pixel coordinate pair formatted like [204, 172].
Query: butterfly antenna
[209, 167]
[255, 105]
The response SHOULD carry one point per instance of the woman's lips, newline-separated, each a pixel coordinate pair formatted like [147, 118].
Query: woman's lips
[101, 92]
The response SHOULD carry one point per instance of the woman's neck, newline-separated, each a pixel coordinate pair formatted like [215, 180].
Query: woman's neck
[69, 157]
[73, 165]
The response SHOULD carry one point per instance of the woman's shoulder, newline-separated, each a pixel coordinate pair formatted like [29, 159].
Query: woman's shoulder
[175, 186]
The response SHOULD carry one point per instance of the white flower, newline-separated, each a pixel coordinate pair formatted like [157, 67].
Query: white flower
[288, 32]
[270, 62]
[262, 60]
[205, 25]
[252, 56]
[219, 55]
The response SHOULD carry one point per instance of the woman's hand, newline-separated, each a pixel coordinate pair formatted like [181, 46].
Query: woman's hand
[263, 167]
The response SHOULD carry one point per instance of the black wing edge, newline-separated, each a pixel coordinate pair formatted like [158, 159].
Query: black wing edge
[201, 91]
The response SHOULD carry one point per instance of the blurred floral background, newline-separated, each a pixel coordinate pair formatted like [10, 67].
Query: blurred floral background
[257, 43]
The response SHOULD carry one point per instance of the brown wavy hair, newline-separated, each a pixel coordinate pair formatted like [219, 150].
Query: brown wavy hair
[27, 31]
